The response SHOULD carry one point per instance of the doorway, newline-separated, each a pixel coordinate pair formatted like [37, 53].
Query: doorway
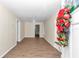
[37, 31]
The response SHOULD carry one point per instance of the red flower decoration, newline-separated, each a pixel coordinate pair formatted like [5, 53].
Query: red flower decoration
[67, 16]
[61, 13]
[60, 28]
[58, 32]
[67, 24]
[66, 9]
[61, 21]
[60, 39]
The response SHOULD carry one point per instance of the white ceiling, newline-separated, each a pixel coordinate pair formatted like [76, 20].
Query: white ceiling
[38, 10]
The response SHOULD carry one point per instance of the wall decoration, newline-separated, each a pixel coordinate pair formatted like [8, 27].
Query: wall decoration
[63, 24]
[73, 4]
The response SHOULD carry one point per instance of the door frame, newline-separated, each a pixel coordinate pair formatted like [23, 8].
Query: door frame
[17, 30]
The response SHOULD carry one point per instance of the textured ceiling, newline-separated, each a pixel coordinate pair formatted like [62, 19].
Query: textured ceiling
[38, 10]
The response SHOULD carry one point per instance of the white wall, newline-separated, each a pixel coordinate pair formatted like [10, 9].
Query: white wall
[50, 27]
[20, 28]
[7, 30]
[75, 34]
[30, 29]
[49, 31]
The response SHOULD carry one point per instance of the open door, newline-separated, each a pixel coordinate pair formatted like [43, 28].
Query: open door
[37, 31]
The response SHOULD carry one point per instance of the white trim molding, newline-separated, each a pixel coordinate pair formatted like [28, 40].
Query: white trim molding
[8, 50]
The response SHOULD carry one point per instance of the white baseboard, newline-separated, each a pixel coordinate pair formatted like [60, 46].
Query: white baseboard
[58, 48]
[21, 39]
[29, 36]
[8, 50]
[53, 45]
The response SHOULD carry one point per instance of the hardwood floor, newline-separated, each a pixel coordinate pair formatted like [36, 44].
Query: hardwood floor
[33, 48]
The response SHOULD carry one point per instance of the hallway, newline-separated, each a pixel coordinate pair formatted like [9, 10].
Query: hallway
[18, 20]
[33, 47]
